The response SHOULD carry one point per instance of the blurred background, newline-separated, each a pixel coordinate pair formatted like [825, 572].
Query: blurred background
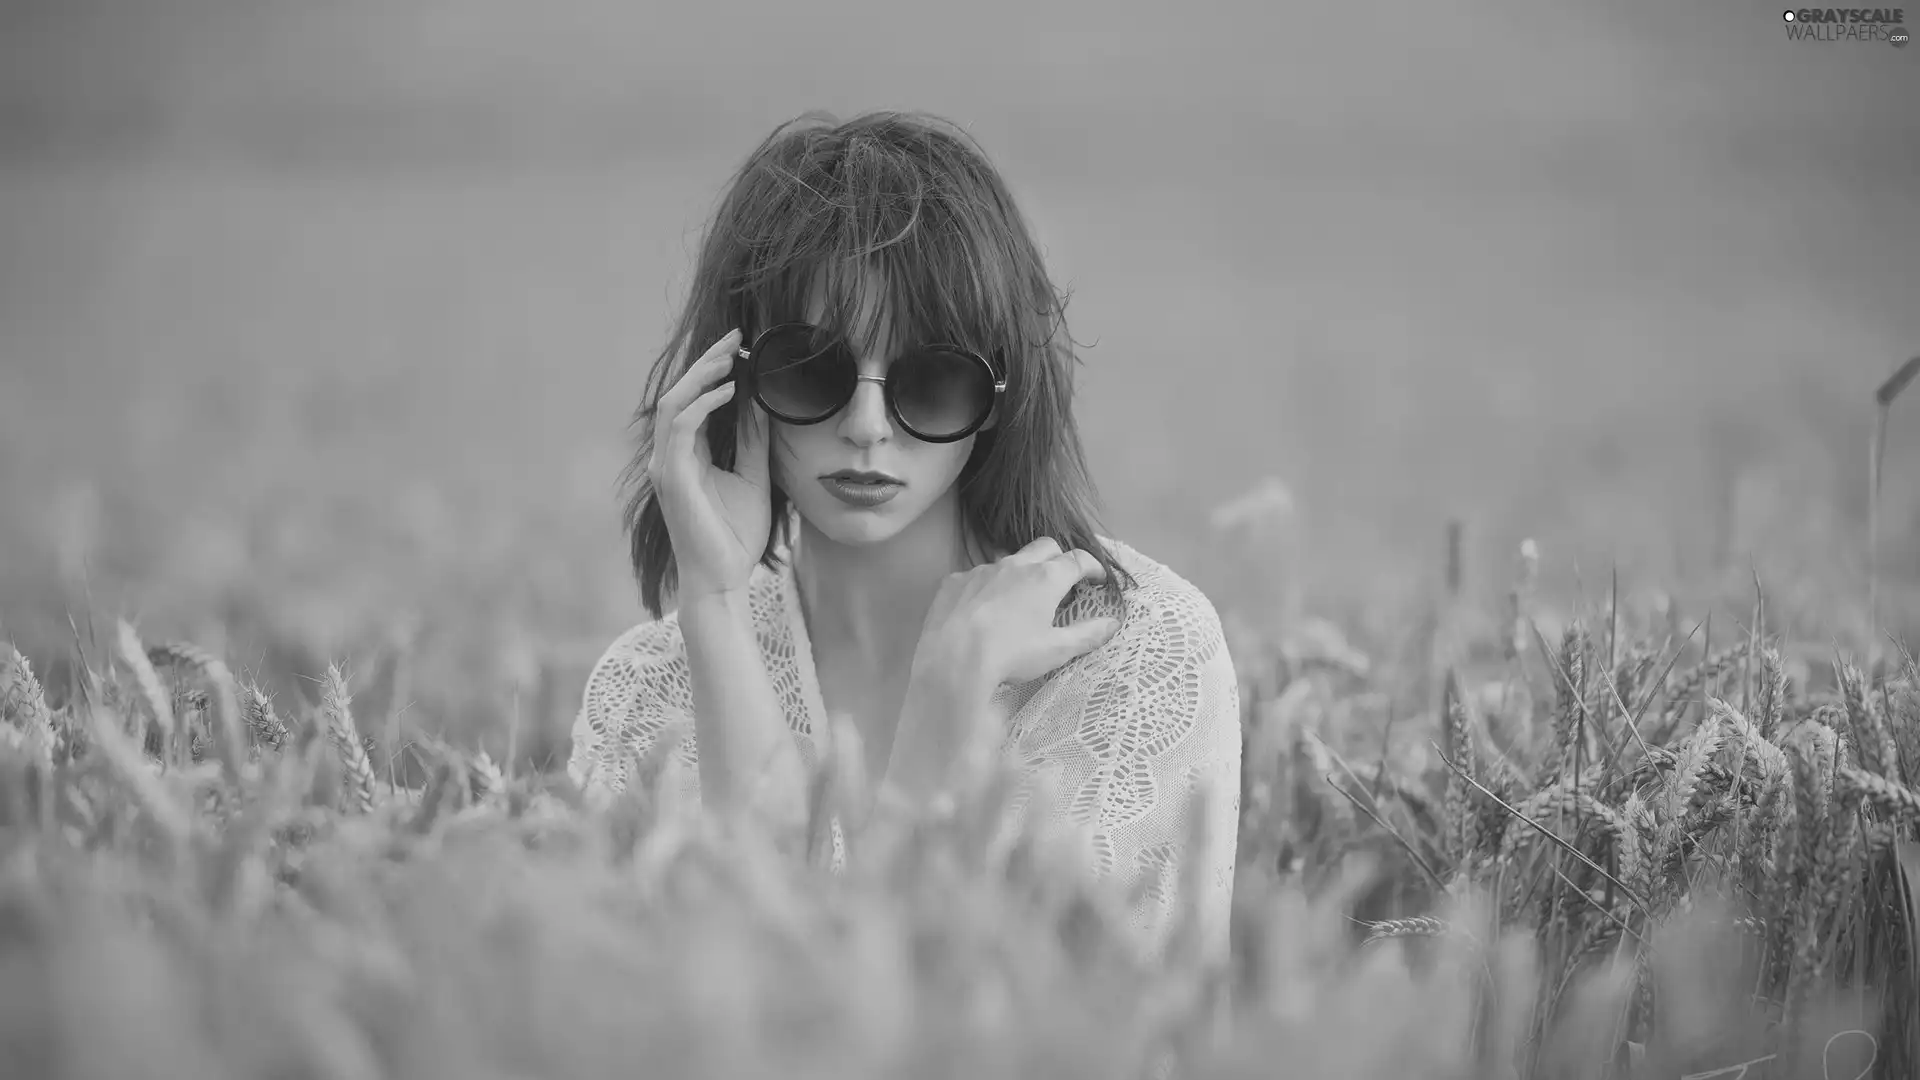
[320, 324]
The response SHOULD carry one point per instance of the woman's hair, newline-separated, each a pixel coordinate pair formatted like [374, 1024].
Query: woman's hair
[910, 202]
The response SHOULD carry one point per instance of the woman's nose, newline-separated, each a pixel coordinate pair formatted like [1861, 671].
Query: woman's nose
[865, 419]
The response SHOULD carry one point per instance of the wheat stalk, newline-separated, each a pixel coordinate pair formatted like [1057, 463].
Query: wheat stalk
[1883, 399]
[337, 704]
[1700, 677]
[485, 776]
[23, 705]
[224, 697]
[1689, 767]
[1878, 754]
[1830, 847]
[1570, 716]
[1415, 926]
[1773, 693]
[1459, 735]
[1899, 803]
[147, 681]
[264, 726]
[137, 777]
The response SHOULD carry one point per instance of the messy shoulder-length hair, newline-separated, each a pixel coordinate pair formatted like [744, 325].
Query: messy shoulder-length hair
[827, 204]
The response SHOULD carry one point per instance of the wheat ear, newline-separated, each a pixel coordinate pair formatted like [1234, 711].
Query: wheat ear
[224, 693]
[263, 724]
[24, 705]
[338, 707]
[1417, 926]
[1895, 801]
[147, 680]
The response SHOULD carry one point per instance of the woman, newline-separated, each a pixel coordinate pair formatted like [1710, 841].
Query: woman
[863, 482]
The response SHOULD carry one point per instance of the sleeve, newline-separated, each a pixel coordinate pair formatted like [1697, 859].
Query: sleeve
[1144, 743]
[1189, 755]
[1219, 736]
[633, 697]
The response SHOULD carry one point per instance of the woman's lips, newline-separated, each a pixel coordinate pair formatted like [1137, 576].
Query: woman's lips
[860, 493]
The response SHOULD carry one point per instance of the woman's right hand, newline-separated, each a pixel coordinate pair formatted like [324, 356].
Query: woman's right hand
[719, 520]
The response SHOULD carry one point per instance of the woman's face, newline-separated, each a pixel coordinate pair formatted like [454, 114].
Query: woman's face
[863, 437]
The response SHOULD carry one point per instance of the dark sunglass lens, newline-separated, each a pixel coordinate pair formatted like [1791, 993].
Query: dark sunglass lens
[802, 374]
[940, 392]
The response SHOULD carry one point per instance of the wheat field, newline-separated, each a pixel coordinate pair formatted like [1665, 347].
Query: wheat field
[1605, 850]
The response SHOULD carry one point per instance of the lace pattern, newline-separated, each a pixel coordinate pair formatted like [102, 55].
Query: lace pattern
[1123, 741]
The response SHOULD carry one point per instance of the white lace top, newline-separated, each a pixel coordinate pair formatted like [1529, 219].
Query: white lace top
[1127, 734]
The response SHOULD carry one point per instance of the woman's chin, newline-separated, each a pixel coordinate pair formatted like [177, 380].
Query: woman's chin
[854, 525]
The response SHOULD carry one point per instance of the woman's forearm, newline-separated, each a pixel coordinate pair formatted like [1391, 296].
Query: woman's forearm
[747, 754]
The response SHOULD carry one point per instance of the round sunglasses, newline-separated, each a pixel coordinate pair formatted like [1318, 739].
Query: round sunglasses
[803, 374]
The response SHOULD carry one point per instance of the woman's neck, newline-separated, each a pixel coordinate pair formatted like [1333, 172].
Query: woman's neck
[867, 603]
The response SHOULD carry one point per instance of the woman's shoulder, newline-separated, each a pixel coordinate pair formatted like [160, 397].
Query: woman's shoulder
[1157, 590]
[656, 648]
[1162, 616]
[1162, 690]
[642, 684]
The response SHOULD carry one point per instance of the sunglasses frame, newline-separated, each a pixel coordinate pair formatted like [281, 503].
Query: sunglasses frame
[745, 374]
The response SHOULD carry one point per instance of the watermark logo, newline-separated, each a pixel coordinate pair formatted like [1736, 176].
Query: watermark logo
[1741, 1071]
[1848, 24]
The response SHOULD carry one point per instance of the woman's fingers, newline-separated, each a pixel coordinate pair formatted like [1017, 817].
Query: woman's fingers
[1075, 566]
[691, 389]
[1047, 550]
[684, 432]
[702, 374]
[1089, 568]
[752, 435]
[1075, 640]
[1089, 634]
[1046, 547]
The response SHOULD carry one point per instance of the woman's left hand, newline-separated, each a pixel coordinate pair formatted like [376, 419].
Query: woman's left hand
[995, 621]
[987, 626]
